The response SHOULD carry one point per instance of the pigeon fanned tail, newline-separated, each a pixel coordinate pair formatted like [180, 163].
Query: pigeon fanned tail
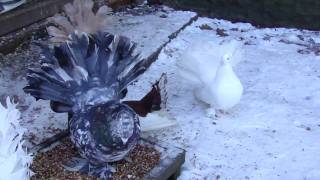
[79, 17]
[88, 70]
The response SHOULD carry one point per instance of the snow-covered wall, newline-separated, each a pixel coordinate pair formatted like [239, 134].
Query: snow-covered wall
[287, 13]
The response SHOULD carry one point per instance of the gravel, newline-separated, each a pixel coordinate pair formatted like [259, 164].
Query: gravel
[48, 165]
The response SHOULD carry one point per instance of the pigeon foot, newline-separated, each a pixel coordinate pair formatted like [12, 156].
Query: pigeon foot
[83, 166]
[211, 113]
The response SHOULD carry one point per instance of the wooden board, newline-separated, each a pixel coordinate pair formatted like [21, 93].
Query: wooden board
[29, 13]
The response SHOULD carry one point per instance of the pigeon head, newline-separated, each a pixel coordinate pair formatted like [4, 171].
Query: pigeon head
[231, 52]
[108, 133]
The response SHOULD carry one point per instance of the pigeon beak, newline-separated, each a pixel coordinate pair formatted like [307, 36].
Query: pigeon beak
[225, 59]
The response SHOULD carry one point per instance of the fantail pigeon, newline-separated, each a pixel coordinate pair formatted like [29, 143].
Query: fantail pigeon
[86, 75]
[209, 67]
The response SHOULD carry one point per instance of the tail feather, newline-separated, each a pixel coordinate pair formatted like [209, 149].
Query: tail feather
[79, 52]
[84, 70]
[60, 107]
[134, 72]
[57, 33]
[63, 23]
[42, 86]
[162, 86]
[154, 100]
[81, 18]
[199, 62]
[43, 94]
[127, 68]
[52, 77]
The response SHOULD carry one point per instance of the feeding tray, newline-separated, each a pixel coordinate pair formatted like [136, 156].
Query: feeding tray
[149, 160]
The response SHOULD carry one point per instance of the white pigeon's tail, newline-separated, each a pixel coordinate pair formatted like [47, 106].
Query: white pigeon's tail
[198, 63]
[201, 60]
[156, 120]
[80, 18]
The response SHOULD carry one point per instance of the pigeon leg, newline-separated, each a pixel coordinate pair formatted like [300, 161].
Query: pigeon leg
[104, 171]
[69, 118]
[201, 94]
[77, 164]
[211, 113]
[128, 159]
[223, 112]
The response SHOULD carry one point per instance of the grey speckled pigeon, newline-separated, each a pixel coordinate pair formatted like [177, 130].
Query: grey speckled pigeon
[87, 77]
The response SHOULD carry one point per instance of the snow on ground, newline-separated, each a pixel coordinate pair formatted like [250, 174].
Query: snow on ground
[274, 132]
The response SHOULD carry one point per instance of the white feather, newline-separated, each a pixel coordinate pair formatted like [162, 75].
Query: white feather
[14, 161]
[156, 120]
[198, 63]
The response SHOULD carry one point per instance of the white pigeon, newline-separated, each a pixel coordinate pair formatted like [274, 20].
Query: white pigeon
[14, 161]
[226, 88]
[209, 67]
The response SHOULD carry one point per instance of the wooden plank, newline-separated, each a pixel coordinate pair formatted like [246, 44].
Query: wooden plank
[29, 13]
[172, 158]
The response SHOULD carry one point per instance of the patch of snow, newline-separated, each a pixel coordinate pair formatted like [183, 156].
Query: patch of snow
[273, 133]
